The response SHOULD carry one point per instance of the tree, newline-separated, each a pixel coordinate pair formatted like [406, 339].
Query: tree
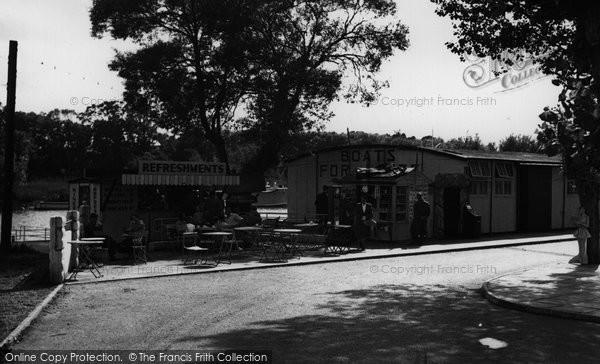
[303, 51]
[520, 143]
[188, 74]
[117, 136]
[283, 61]
[467, 143]
[564, 38]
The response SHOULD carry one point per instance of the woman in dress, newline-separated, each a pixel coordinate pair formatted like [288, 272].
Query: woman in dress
[582, 221]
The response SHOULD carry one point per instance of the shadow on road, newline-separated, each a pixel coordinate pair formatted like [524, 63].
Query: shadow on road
[413, 323]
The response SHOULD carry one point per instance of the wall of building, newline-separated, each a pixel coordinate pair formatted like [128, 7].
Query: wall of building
[497, 208]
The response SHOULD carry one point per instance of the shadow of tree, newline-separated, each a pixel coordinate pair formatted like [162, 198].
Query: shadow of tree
[410, 323]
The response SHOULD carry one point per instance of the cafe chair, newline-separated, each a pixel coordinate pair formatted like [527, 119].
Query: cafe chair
[138, 247]
[192, 251]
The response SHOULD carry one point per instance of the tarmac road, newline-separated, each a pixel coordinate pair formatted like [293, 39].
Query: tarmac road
[424, 308]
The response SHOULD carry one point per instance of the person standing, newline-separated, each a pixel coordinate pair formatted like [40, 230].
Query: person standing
[214, 209]
[418, 227]
[363, 220]
[322, 208]
[582, 221]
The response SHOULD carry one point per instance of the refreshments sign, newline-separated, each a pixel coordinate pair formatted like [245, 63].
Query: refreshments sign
[181, 168]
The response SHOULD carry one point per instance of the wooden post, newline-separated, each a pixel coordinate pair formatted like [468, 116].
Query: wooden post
[9, 151]
[59, 251]
[73, 225]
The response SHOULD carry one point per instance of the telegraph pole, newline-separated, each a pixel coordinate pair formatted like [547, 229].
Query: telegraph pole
[9, 149]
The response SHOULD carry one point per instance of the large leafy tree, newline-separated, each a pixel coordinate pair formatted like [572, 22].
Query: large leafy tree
[282, 62]
[305, 51]
[188, 73]
[117, 136]
[564, 37]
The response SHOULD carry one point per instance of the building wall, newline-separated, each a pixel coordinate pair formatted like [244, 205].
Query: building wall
[301, 188]
[498, 211]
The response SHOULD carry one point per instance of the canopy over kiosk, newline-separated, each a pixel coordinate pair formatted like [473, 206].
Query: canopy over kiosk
[158, 191]
[391, 190]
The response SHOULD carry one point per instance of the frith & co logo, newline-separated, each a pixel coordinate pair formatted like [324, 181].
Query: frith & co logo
[486, 71]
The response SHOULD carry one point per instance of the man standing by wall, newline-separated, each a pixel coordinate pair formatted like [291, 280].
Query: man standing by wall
[322, 209]
[418, 228]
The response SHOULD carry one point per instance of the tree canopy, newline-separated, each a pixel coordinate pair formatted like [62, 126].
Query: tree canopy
[564, 38]
[200, 64]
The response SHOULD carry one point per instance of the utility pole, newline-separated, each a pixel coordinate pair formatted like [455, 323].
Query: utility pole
[9, 149]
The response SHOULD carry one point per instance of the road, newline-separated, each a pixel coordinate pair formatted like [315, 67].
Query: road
[424, 308]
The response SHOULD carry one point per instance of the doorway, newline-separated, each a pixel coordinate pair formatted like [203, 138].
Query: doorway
[451, 212]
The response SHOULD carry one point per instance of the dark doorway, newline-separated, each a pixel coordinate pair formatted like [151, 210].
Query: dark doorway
[535, 198]
[451, 212]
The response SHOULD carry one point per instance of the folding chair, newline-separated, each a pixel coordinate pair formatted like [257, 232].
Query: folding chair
[191, 249]
[138, 247]
[272, 248]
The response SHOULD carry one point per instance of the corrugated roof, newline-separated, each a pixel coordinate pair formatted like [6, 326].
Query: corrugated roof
[459, 154]
[505, 156]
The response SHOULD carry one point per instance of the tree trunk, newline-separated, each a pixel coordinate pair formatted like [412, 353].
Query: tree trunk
[589, 197]
[216, 139]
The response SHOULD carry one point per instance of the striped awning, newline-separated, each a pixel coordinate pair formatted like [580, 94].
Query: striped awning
[179, 180]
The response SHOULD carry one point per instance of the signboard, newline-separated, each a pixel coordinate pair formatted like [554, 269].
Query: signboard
[181, 168]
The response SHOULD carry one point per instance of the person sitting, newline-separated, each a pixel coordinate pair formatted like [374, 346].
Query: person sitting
[198, 217]
[93, 229]
[253, 217]
[232, 218]
[136, 226]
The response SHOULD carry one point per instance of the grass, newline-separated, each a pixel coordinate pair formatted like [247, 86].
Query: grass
[23, 285]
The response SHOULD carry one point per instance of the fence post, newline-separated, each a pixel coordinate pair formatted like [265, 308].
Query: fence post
[73, 225]
[59, 252]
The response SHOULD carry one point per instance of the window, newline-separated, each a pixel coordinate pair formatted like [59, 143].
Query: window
[385, 197]
[401, 203]
[479, 169]
[504, 170]
[503, 187]
[571, 187]
[479, 188]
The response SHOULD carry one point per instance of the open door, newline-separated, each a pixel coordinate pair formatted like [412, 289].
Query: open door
[451, 212]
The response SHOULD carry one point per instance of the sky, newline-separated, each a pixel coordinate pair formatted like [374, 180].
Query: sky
[60, 65]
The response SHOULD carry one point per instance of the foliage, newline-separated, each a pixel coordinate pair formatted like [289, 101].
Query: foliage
[282, 61]
[564, 37]
[118, 136]
[520, 143]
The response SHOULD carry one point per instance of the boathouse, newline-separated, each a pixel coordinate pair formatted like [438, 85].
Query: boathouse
[511, 192]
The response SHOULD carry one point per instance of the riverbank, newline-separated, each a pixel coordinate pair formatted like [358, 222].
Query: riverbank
[45, 189]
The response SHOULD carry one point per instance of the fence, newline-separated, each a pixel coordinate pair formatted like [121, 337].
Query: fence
[26, 233]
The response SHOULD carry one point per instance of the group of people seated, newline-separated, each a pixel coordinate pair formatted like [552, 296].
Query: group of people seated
[228, 219]
[92, 228]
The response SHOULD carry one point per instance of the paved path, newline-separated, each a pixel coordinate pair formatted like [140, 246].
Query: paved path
[420, 308]
[170, 263]
[559, 289]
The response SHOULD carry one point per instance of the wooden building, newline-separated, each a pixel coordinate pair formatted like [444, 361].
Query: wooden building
[512, 192]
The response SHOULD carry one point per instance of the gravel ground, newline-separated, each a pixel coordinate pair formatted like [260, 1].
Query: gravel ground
[22, 287]
[408, 309]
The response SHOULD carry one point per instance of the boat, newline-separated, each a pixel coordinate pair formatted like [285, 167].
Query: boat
[272, 197]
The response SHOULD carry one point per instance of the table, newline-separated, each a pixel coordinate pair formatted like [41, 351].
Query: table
[253, 232]
[84, 253]
[292, 247]
[221, 254]
[306, 225]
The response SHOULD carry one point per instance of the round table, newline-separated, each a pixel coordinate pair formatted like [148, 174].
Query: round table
[88, 260]
[221, 254]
